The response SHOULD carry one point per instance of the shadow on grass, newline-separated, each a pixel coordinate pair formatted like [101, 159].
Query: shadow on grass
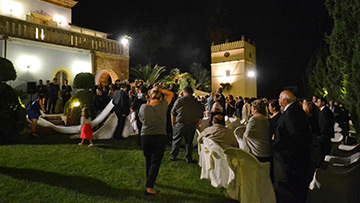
[94, 187]
[213, 197]
[129, 143]
[81, 184]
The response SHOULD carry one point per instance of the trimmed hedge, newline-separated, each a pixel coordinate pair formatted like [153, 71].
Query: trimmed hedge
[12, 113]
[73, 114]
[7, 70]
[84, 81]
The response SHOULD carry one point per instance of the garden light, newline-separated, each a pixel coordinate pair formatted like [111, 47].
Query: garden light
[76, 104]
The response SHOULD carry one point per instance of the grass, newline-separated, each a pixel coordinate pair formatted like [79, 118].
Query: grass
[53, 168]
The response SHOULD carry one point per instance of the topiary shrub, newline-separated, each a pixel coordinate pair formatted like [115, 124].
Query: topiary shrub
[12, 111]
[84, 81]
[7, 70]
[73, 107]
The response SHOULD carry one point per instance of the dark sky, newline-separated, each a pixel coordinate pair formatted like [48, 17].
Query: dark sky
[286, 32]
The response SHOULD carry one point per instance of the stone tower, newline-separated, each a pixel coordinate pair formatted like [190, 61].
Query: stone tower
[233, 66]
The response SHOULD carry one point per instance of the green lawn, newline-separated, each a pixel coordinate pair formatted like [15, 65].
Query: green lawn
[53, 168]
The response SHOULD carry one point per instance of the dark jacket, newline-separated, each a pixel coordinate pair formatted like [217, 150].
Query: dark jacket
[187, 110]
[292, 137]
[121, 102]
[326, 123]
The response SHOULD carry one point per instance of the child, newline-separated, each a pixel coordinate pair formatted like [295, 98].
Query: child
[33, 111]
[86, 132]
[133, 121]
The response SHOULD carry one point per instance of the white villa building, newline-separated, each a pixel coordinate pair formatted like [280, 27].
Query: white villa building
[37, 36]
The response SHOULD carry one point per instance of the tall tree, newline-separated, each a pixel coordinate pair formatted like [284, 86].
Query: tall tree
[202, 77]
[317, 83]
[343, 61]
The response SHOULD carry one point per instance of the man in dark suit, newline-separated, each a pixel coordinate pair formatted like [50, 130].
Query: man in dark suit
[291, 151]
[53, 95]
[122, 109]
[326, 125]
[66, 92]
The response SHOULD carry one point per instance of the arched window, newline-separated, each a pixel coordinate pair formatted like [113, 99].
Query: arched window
[61, 76]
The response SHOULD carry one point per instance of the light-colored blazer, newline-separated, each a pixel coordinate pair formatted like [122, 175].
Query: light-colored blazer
[257, 139]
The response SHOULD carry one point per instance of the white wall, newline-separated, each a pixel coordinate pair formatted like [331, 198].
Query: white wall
[19, 9]
[34, 61]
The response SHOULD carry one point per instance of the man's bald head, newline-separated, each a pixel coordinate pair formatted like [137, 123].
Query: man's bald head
[286, 97]
[218, 119]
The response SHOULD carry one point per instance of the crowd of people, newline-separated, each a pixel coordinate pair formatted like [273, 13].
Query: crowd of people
[292, 134]
[55, 98]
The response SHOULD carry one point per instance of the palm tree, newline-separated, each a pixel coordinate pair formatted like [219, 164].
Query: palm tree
[182, 79]
[147, 72]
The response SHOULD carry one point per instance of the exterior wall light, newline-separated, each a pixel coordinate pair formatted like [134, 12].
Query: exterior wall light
[125, 40]
[251, 74]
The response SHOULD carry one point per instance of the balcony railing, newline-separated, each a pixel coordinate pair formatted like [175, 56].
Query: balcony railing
[27, 30]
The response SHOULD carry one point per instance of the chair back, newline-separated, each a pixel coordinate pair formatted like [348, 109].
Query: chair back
[215, 166]
[335, 186]
[239, 132]
[252, 178]
[345, 150]
[233, 125]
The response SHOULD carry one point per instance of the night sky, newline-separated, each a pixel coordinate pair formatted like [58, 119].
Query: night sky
[286, 33]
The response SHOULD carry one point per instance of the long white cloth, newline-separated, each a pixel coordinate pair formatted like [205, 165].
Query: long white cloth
[76, 128]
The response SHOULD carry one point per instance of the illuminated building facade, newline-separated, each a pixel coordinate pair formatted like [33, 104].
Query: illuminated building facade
[233, 66]
[38, 37]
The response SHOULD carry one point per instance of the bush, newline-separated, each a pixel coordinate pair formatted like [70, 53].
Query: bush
[73, 114]
[84, 81]
[12, 113]
[7, 70]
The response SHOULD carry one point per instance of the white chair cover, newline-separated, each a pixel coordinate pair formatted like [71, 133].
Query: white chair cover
[239, 132]
[347, 147]
[337, 128]
[342, 161]
[196, 135]
[333, 186]
[252, 178]
[214, 166]
[233, 125]
[338, 137]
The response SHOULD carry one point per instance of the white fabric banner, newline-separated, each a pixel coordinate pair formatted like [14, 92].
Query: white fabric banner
[76, 129]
